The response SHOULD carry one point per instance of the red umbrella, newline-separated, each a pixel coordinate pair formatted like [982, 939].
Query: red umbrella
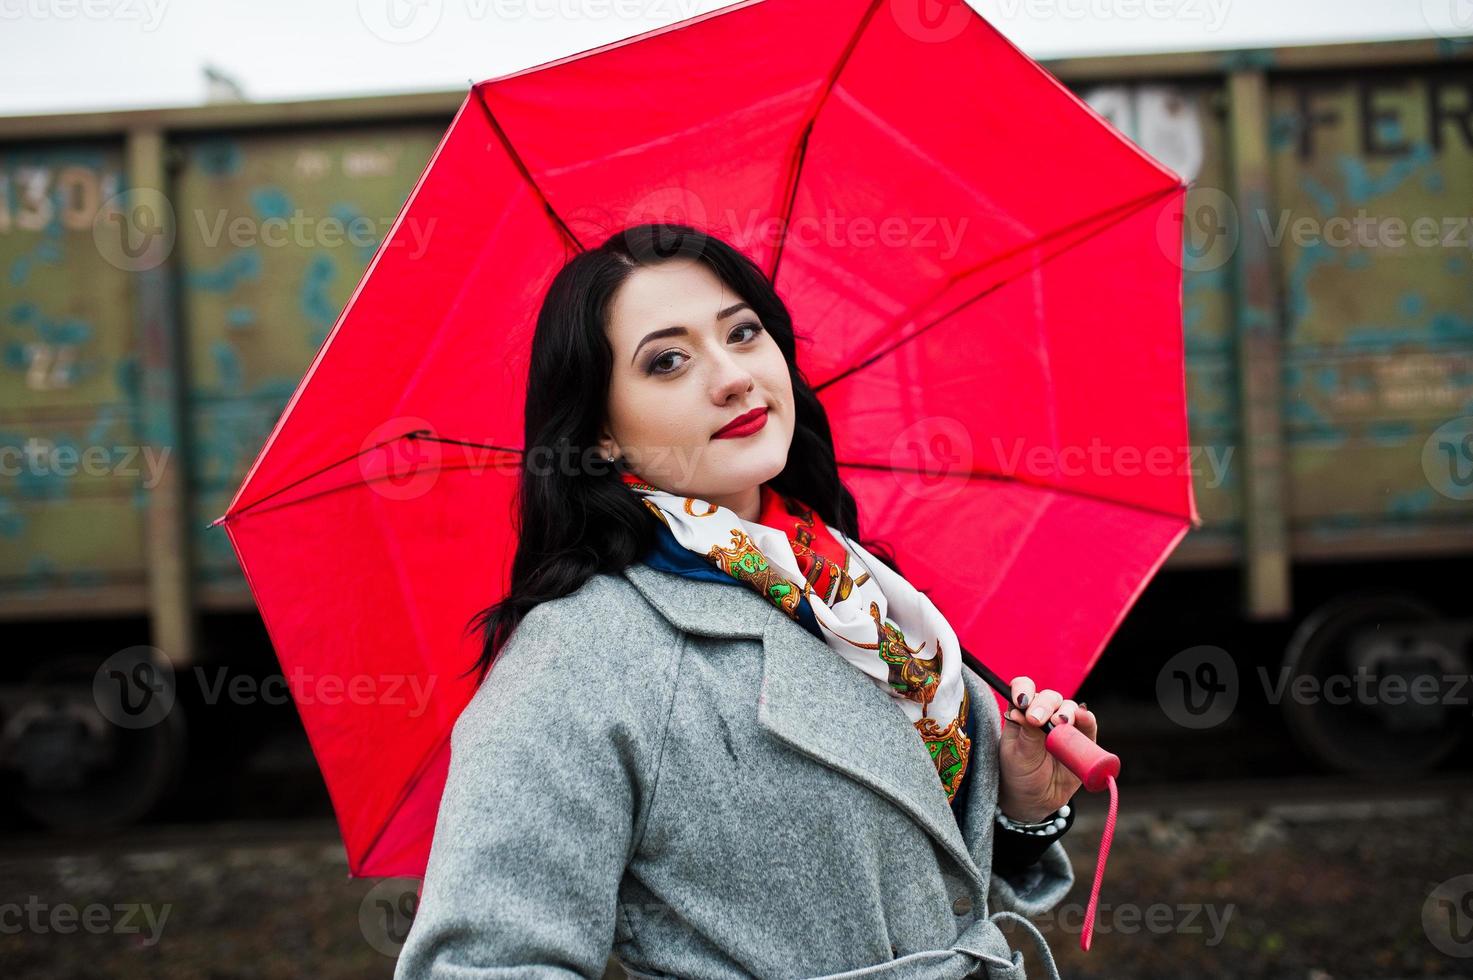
[991, 273]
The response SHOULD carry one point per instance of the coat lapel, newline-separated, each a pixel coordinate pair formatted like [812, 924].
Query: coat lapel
[814, 700]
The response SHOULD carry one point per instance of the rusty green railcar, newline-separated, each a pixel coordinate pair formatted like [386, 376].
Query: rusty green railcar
[1328, 305]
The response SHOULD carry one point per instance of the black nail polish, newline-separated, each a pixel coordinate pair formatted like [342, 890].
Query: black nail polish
[1023, 700]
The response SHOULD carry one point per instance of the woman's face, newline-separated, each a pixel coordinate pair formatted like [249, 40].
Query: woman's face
[689, 357]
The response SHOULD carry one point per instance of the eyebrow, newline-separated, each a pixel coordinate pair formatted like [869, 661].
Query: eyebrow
[681, 331]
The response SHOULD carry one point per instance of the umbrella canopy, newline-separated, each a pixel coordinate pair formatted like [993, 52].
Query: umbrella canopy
[989, 273]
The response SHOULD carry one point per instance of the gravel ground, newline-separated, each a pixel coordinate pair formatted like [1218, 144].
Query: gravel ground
[1339, 889]
[1336, 889]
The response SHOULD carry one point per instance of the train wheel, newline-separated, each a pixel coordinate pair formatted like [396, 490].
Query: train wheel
[80, 771]
[1353, 710]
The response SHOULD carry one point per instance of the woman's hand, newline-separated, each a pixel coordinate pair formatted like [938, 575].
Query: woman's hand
[1032, 783]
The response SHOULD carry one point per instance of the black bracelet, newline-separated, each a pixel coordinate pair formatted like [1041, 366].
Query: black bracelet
[1054, 823]
[1014, 851]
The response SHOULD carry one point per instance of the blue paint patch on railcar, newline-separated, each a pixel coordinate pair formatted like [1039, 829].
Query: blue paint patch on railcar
[1302, 418]
[1202, 420]
[12, 521]
[1450, 327]
[19, 203]
[217, 157]
[1198, 288]
[36, 479]
[270, 202]
[227, 366]
[240, 317]
[1313, 437]
[1283, 130]
[1450, 47]
[231, 433]
[1389, 433]
[1442, 329]
[64, 331]
[1248, 60]
[243, 266]
[317, 305]
[1324, 201]
[1361, 186]
[38, 330]
[98, 430]
[1411, 503]
[47, 251]
[354, 221]
[125, 376]
[1311, 259]
[24, 312]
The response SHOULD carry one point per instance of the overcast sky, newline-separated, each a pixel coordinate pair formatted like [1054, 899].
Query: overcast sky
[69, 55]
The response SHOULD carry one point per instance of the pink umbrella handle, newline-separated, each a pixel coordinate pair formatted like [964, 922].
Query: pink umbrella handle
[1095, 767]
[1085, 758]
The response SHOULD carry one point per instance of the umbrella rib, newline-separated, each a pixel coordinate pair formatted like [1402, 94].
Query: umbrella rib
[1124, 210]
[1010, 478]
[516, 159]
[314, 474]
[404, 795]
[414, 434]
[796, 175]
[353, 484]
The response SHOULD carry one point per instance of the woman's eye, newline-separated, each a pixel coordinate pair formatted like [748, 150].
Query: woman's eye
[654, 366]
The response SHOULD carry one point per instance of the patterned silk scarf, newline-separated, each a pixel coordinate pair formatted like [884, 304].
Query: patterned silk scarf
[866, 612]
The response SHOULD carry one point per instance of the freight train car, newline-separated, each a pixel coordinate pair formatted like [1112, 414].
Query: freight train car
[166, 276]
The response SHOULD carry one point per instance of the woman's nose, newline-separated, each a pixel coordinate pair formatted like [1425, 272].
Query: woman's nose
[733, 380]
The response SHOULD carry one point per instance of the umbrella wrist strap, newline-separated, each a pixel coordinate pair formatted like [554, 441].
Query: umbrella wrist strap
[1106, 836]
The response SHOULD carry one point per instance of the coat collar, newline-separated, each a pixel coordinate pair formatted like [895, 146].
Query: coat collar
[815, 701]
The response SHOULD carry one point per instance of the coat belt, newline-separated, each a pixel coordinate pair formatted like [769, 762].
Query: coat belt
[981, 945]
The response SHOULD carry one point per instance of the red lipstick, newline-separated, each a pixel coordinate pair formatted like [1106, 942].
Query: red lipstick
[743, 425]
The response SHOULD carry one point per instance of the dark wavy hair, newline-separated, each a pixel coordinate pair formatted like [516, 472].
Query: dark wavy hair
[572, 525]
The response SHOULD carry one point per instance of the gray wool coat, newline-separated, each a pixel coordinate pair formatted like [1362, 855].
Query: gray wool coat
[639, 774]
